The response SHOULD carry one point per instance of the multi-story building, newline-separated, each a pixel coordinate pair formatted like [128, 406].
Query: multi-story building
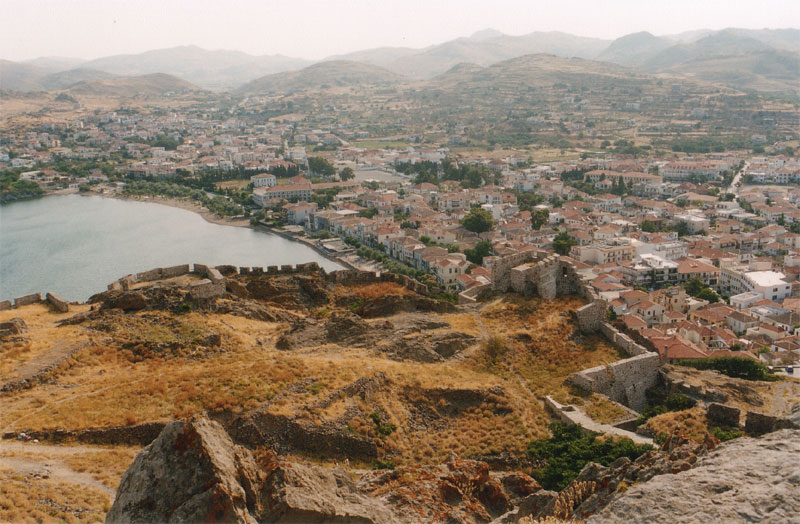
[263, 180]
[604, 252]
[736, 279]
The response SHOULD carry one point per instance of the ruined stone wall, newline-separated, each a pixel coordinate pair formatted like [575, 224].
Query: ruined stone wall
[33, 298]
[624, 381]
[138, 435]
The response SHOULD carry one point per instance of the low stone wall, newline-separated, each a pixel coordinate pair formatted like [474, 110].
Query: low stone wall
[138, 435]
[621, 340]
[33, 298]
[723, 415]
[206, 289]
[285, 435]
[5, 304]
[760, 423]
[161, 273]
[624, 381]
[58, 303]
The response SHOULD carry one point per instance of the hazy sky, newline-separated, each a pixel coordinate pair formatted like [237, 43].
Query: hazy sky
[317, 28]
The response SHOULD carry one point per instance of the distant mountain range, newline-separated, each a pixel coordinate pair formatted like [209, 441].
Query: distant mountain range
[334, 73]
[765, 60]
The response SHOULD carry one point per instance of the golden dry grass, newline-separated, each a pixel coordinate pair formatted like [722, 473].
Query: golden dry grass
[26, 498]
[602, 410]
[372, 291]
[104, 387]
[690, 421]
[105, 464]
[41, 323]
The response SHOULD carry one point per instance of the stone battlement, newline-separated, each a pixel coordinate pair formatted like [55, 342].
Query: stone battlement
[544, 274]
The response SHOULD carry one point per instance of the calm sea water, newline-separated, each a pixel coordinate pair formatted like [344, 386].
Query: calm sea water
[76, 245]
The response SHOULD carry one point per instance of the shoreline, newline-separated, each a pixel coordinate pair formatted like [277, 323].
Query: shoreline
[187, 205]
[213, 218]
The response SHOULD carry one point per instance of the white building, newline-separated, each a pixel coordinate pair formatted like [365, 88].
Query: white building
[263, 180]
[771, 285]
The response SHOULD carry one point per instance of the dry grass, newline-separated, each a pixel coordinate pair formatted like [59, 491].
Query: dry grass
[544, 348]
[105, 388]
[690, 421]
[602, 410]
[41, 337]
[27, 498]
[372, 291]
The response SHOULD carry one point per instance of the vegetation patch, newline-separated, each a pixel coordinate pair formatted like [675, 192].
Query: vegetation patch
[734, 367]
[570, 448]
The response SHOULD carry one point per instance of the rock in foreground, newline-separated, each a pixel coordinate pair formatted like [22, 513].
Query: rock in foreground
[745, 480]
[193, 472]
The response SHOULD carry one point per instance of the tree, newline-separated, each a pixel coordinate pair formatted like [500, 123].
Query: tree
[648, 227]
[476, 254]
[346, 174]
[321, 166]
[539, 218]
[478, 220]
[563, 243]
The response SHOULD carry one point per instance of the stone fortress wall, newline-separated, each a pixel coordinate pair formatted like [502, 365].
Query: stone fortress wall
[213, 279]
[548, 276]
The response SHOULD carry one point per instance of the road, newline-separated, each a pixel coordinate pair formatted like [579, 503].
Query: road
[734, 187]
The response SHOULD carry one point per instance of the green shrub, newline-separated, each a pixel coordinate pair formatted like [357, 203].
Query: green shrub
[658, 404]
[384, 429]
[384, 464]
[735, 367]
[570, 449]
[725, 434]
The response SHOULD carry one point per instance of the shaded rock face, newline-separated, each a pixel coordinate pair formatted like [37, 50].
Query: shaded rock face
[124, 300]
[193, 472]
[744, 480]
[679, 453]
[15, 326]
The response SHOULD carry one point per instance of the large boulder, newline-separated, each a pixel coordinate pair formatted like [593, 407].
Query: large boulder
[192, 472]
[743, 480]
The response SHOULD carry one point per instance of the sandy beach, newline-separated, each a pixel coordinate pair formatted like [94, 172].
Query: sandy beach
[188, 205]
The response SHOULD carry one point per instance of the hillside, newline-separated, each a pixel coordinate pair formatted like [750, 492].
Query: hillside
[323, 75]
[278, 379]
[532, 71]
[70, 77]
[145, 85]
[212, 69]
[20, 77]
[634, 49]
[488, 48]
[54, 64]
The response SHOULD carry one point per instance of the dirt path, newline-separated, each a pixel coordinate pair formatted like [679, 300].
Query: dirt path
[51, 468]
[71, 397]
[41, 365]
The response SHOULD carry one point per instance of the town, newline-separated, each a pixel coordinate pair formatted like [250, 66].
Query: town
[696, 253]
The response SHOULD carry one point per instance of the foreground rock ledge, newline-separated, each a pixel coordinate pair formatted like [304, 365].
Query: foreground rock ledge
[193, 472]
[744, 480]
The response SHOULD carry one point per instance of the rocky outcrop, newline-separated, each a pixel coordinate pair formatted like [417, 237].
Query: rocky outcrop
[412, 337]
[193, 472]
[124, 300]
[744, 480]
[15, 326]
